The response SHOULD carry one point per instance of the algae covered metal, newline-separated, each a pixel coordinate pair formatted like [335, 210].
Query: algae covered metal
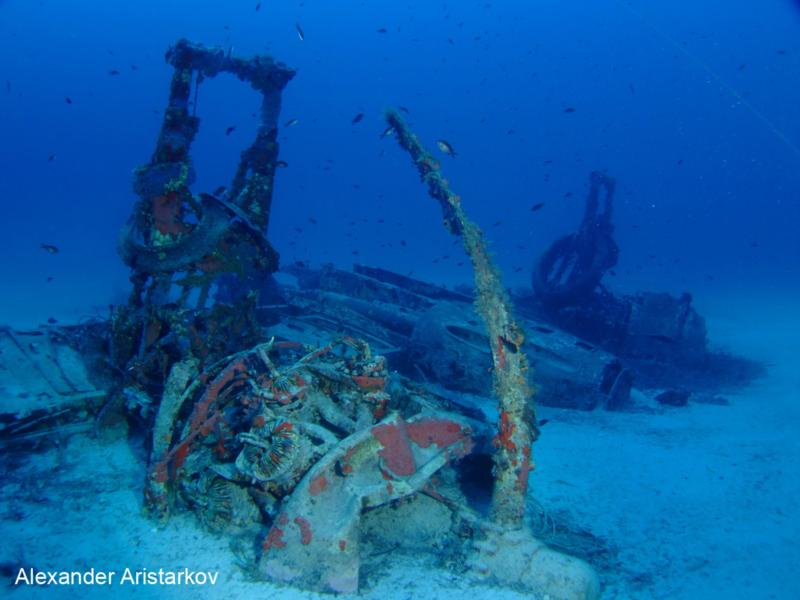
[542, 570]
[198, 261]
[314, 541]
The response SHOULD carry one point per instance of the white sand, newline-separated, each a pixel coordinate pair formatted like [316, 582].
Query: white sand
[699, 502]
[702, 502]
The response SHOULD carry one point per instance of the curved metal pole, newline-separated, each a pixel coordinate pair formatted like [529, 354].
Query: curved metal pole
[513, 459]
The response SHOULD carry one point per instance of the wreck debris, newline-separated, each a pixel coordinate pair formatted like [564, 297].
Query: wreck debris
[197, 261]
[513, 459]
[49, 383]
[659, 336]
[448, 345]
[255, 422]
[179, 378]
[519, 560]
[269, 451]
[162, 239]
[314, 541]
[300, 439]
[433, 335]
[206, 394]
[574, 265]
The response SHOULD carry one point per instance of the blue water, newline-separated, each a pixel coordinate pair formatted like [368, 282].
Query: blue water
[691, 106]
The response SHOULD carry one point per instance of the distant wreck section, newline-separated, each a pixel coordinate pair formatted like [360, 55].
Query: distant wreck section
[658, 336]
[272, 411]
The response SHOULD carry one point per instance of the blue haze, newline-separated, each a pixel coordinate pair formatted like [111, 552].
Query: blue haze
[692, 106]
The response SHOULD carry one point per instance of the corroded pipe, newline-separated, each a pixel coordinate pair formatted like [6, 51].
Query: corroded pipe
[513, 459]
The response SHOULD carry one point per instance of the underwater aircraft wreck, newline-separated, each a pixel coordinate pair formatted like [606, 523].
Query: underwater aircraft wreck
[346, 415]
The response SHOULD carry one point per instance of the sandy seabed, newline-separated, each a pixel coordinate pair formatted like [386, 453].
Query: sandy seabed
[696, 502]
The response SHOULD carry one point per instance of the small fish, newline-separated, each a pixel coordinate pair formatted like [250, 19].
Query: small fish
[8, 86]
[357, 118]
[219, 191]
[113, 72]
[569, 109]
[281, 163]
[52, 321]
[134, 68]
[387, 132]
[403, 109]
[631, 88]
[742, 66]
[445, 147]
[258, 7]
[382, 30]
[537, 206]
[291, 122]
[49, 279]
[300, 32]
[543, 422]
[312, 220]
[68, 100]
[49, 248]
[230, 130]
[51, 158]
